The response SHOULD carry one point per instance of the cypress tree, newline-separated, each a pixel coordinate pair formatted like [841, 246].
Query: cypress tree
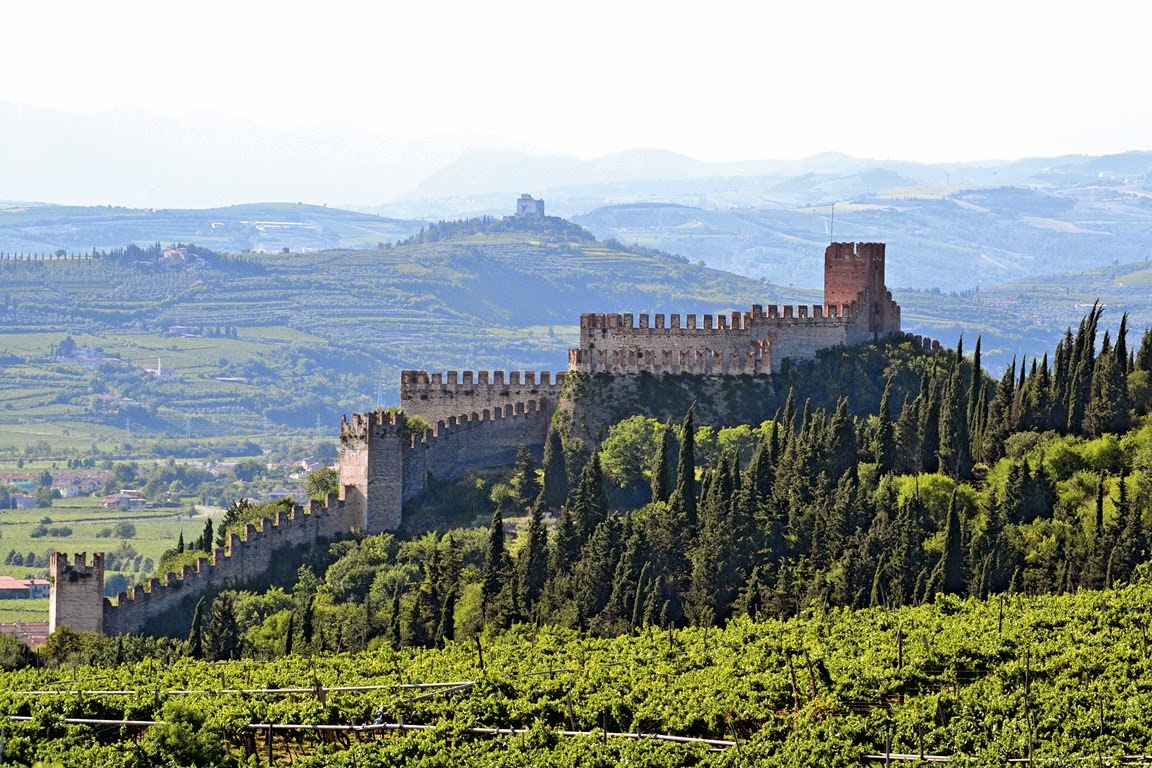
[306, 616]
[952, 561]
[555, 487]
[952, 452]
[1131, 543]
[999, 420]
[205, 540]
[533, 559]
[394, 637]
[627, 578]
[1143, 359]
[1107, 409]
[909, 437]
[590, 505]
[565, 545]
[884, 440]
[196, 634]
[597, 567]
[685, 496]
[839, 442]
[222, 635]
[493, 562]
[929, 413]
[446, 631]
[662, 470]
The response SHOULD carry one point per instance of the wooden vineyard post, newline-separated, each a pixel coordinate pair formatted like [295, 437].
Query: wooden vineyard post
[795, 693]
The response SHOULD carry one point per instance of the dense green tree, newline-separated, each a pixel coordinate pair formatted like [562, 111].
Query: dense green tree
[196, 633]
[884, 438]
[662, 480]
[321, 483]
[533, 559]
[590, 505]
[493, 580]
[684, 498]
[555, 485]
[222, 634]
[525, 482]
[954, 445]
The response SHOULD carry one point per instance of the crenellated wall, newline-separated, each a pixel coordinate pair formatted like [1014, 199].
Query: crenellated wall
[441, 396]
[481, 418]
[753, 342]
[857, 308]
[452, 447]
[245, 559]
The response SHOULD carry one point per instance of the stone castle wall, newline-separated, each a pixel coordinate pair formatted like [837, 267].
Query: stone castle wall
[245, 559]
[442, 396]
[753, 342]
[451, 448]
[482, 418]
[857, 308]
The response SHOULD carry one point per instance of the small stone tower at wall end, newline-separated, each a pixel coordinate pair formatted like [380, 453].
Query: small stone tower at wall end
[76, 592]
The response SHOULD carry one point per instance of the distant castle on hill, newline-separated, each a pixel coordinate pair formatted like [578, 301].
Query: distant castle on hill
[480, 419]
[528, 207]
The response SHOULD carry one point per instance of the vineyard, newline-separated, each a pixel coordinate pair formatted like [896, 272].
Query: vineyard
[1056, 680]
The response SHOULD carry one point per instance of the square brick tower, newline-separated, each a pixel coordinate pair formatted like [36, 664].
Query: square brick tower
[854, 272]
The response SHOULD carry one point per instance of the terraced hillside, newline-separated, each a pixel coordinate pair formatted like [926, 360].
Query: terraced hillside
[261, 227]
[261, 344]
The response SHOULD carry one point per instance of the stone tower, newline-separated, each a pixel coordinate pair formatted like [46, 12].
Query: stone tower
[76, 596]
[852, 269]
[372, 470]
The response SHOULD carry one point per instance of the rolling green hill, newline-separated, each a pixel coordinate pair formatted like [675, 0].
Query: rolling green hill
[262, 344]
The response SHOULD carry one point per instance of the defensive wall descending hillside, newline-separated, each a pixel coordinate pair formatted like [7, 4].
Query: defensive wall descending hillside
[77, 589]
[383, 465]
[479, 419]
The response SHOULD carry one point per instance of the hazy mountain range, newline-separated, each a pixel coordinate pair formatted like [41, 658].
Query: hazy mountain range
[952, 226]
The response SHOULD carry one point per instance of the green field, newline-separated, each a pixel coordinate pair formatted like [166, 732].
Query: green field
[94, 529]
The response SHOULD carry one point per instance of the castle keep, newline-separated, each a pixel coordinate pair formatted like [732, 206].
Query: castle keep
[857, 308]
[478, 419]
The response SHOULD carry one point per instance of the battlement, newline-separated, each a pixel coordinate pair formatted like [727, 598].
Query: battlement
[733, 321]
[361, 424]
[466, 421]
[76, 590]
[868, 252]
[245, 557]
[417, 381]
[441, 396]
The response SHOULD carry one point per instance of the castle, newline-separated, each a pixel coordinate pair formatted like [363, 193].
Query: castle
[479, 419]
[528, 207]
